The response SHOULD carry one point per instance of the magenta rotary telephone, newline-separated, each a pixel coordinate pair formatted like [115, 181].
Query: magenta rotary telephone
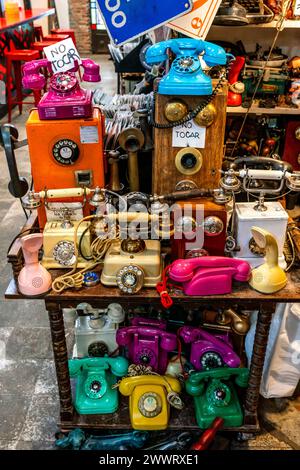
[209, 275]
[209, 351]
[65, 98]
[147, 343]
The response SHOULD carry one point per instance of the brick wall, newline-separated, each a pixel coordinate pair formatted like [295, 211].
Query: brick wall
[80, 22]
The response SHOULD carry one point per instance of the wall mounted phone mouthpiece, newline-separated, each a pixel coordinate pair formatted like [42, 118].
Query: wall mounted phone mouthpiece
[34, 279]
[269, 277]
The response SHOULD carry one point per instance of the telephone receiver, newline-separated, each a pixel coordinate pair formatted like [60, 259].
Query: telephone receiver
[167, 340]
[209, 275]
[209, 351]
[195, 385]
[132, 140]
[17, 186]
[186, 76]
[128, 384]
[257, 162]
[117, 365]
[34, 80]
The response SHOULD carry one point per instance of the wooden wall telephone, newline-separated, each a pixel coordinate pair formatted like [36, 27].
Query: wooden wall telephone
[95, 377]
[215, 395]
[149, 407]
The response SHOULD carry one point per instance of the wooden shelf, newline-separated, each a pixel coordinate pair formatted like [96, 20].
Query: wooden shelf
[288, 24]
[257, 110]
[179, 421]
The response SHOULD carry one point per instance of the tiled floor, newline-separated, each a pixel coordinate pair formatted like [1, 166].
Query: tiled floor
[28, 391]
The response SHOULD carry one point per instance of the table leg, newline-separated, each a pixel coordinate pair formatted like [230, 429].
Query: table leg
[61, 360]
[258, 358]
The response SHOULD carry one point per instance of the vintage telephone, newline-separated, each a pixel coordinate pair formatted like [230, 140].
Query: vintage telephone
[186, 76]
[291, 152]
[215, 395]
[209, 351]
[95, 378]
[132, 263]
[34, 279]
[95, 330]
[65, 98]
[149, 402]
[208, 275]
[236, 87]
[147, 342]
[213, 223]
[58, 242]
[269, 277]
[255, 181]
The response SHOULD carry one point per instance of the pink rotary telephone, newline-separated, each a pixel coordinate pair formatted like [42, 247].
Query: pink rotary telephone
[147, 342]
[209, 351]
[209, 275]
[65, 98]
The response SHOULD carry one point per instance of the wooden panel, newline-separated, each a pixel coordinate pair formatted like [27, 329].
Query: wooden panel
[165, 174]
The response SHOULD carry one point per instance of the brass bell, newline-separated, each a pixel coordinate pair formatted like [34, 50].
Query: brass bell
[207, 116]
[175, 110]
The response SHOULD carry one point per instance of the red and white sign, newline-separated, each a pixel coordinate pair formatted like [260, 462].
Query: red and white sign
[197, 23]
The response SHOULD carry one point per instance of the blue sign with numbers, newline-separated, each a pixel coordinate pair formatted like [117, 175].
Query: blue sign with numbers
[128, 19]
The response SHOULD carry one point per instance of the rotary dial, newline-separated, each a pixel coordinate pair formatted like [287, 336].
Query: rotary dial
[150, 405]
[218, 393]
[64, 253]
[65, 152]
[211, 360]
[130, 279]
[95, 386]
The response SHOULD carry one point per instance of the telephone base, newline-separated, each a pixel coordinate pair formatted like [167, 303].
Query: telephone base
[175, 84]
[141, 422]
[105, 405]
[206, 412]
[148, 260]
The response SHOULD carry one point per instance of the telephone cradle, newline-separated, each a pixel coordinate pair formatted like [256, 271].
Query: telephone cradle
[95, 378]
[148, 400]
[209, 351]
[215, 395]
[208, 275]
[147, 342]
[186, 76]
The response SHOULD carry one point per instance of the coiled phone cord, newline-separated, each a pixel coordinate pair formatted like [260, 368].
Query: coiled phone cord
[192, 114]
[73, 279]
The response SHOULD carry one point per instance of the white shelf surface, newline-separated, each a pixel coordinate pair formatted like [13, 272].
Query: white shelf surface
[256, 110]
[288, 24]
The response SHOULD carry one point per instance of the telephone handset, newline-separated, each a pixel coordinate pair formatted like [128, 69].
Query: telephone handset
[209, 275]
[150, 395]
[209, 351]
[95, 378]
[254, 162]
[215, 395]
[147, 345]
[65, 98]
[17, 186]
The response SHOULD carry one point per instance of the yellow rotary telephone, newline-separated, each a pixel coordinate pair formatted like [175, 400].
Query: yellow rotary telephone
[150, 398]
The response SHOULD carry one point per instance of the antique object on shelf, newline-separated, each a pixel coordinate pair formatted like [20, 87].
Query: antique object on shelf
[186, 76]
[147, 342]
[95, 377]
[208, 350]
[188, 152]
[114, 180]
[65, 98]
[208, 275]
[231, 13]
[72, 152]
[215, 395]
[34, 279]
[269, 277]
[291, 152]
[96, 329]
[149, 400]
[205, 215]
[132, 140]
[236, 87]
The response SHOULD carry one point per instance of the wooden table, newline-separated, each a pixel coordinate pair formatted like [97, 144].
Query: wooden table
[100, 296]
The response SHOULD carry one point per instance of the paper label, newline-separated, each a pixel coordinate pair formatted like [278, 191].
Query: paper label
[89, 135]
[189, 135]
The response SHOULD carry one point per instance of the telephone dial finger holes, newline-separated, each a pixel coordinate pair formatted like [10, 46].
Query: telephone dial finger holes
[65, 152]
[95, 386]
[150, 405]
[211, 360]
[218, 393]
[130, 279]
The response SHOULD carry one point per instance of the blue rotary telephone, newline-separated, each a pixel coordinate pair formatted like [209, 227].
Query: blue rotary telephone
[95, 378]
[186, 76]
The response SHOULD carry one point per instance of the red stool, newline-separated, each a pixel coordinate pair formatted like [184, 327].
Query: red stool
[69, 32]
[14, 60]
[55, 37]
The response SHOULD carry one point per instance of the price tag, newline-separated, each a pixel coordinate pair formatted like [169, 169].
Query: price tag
[62, 55]
[297, 8]
[189, 135]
